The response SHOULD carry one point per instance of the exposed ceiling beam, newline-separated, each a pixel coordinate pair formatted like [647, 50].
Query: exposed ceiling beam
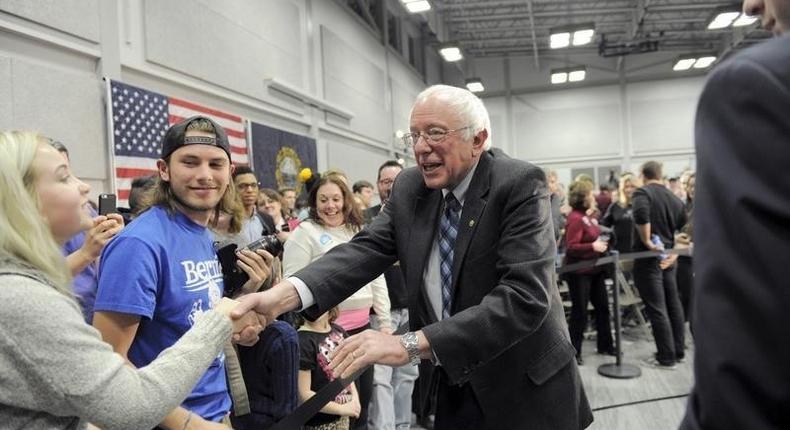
[534, 38]
[488, 5]
[543, 14]
[605, 24]
[575, 12]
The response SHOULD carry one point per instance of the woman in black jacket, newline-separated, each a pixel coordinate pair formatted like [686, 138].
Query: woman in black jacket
[619, 215]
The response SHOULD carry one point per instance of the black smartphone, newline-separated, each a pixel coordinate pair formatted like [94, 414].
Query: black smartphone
[107, 204]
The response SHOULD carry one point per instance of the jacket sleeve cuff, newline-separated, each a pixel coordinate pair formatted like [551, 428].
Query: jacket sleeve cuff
[305, 295]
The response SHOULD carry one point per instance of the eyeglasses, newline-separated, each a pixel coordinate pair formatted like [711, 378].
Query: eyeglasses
[387, 181]
[247, 186]
[432, 136]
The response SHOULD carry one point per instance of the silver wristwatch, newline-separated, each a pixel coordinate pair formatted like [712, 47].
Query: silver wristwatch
[409, 342]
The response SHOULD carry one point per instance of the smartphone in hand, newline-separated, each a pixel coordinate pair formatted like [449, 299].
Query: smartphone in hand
[107, 204]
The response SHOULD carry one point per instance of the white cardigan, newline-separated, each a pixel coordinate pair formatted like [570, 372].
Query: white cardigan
[310, 241]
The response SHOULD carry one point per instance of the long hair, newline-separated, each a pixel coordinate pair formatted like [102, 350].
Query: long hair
[351, 215]
[161, 194]
[24, 233]
[623, 199]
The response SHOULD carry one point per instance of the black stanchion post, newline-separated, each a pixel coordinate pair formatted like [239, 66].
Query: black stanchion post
[618, 369]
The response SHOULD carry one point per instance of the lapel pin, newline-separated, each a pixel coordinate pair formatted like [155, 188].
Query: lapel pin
[471, 223]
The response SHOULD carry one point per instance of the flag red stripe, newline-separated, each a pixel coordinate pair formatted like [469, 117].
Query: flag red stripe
[172, 119]
[123, 194]
[130, 172]
[203, 109]
[237, 150]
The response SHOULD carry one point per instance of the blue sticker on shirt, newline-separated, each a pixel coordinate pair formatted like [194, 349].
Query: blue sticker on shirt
[324, 239]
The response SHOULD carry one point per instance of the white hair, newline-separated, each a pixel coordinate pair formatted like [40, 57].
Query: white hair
[468, 106]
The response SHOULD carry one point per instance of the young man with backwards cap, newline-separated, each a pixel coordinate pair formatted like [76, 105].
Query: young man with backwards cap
[162, 271]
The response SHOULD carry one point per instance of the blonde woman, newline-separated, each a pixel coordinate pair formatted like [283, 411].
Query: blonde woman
[619, 217]
[57, 372]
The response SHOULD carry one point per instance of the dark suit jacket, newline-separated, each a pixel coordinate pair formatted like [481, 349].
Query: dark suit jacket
[396, 285]
[742, 243]
[371, 212]
[507, 336]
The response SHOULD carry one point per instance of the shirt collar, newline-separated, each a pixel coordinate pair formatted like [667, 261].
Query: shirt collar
[460, 190]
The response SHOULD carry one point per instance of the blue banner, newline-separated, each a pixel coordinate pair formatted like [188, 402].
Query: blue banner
[278, 156]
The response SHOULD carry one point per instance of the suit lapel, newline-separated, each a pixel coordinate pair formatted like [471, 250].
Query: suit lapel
[474, 203]
[426, 211]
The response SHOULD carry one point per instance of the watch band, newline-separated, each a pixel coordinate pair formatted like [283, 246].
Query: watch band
[410, 343]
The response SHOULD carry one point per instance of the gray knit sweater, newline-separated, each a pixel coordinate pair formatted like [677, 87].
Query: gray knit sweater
[57, 373]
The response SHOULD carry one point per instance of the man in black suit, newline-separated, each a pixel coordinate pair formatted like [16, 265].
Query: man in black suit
[472, 230]
[742, 237]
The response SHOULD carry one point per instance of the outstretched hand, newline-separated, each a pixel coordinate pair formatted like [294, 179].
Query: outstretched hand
[364, 349]
[269, 304]
[246, 326]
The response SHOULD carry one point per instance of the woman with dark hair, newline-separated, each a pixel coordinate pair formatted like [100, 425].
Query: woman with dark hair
[583, 242]
[335, 219]
[272, 203]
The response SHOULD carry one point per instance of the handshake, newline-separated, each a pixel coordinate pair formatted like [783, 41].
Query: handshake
[245, 326]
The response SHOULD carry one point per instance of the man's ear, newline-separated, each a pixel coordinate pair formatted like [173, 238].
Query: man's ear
[162, 168]
[479, 141]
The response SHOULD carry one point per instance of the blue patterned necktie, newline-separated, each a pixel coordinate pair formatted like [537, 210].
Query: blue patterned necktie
[448, 230]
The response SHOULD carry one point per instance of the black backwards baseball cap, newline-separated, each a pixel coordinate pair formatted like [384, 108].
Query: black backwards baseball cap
[175, 137]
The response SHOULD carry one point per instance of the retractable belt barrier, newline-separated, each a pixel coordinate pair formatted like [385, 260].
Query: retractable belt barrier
[313, 405]
[631, 256]
[619, 369]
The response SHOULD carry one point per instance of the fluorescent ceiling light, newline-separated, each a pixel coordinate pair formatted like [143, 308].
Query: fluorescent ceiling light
[418, 6]
[704, 62]
[744, 20]
[577, 75]
[583, 37]
[684, 64]
[559, 40]
[475, 85]
[559, 78]
[451, 53]
[723, 20]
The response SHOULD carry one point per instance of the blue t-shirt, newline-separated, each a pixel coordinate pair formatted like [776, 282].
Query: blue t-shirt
[84, 283]
[163, 268]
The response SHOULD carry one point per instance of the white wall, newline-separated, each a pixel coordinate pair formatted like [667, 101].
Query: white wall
[613, 125]
[54, 53]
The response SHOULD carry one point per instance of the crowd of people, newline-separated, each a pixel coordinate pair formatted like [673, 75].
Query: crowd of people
[629, 214]
[145, 277]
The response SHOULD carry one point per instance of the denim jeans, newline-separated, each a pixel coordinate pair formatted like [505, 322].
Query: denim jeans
[390, 405]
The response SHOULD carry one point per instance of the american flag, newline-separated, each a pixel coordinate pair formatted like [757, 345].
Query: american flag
[140, 119]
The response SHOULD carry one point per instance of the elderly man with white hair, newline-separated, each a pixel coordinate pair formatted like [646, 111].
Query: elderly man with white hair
[472, 230]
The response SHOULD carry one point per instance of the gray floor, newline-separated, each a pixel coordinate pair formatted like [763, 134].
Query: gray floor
[654, 401]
